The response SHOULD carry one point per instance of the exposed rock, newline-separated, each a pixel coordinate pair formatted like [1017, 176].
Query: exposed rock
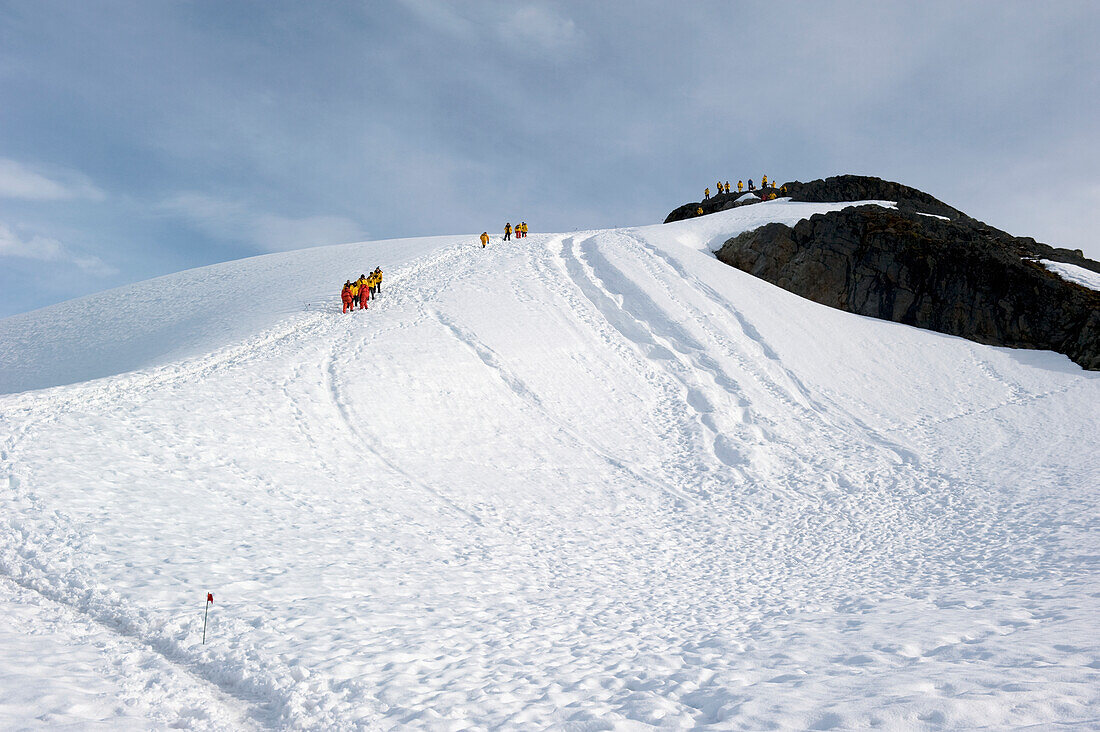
[867, 188]
[721, 202]
[958, 276]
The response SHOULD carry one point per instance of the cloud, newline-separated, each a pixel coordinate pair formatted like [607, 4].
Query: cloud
[538, 27]
[19, 181]
[440, 16]
[46, 249]
[224, 219]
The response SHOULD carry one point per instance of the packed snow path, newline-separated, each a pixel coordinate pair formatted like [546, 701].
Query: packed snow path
[585, 481]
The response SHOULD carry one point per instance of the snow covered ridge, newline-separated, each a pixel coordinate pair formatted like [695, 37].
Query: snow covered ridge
[195, 312]
[1073, 273]
[187, 314]
[584, 480]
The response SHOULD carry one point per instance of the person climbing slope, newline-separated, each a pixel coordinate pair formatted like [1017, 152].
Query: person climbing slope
[364, 291]
[508, 231]
[355, 294]
[345, 295]
[484, 238]
[377, 281]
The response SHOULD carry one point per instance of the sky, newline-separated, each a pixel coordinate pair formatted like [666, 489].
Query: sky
[139, 138]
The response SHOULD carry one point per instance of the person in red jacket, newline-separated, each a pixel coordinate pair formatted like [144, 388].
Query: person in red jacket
[345, 296]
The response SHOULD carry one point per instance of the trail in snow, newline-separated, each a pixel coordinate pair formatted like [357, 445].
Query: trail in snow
[575, 480]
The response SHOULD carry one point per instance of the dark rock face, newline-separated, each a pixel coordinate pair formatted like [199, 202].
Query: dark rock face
[837, 188]
[959, 276]
[866, 188]
[720, 202]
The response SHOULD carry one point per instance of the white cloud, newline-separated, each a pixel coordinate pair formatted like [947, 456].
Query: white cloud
[538, 27]
[440, 16]
[19, 181]
[224, 219]
[46, 249]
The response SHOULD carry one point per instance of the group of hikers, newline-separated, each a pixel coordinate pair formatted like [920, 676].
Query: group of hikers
[520, 231]
[357, 293]
[725, 188]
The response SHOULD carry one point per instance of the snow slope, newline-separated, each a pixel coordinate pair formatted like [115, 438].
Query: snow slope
[586, 481]
[1073, 273]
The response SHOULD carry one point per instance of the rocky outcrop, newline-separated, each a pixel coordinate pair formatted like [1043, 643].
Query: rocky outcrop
[837, 188]
[956, 276]
[721, 202]
[867, 188]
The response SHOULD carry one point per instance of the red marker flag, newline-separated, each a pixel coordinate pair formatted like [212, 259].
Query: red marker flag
[206, 613]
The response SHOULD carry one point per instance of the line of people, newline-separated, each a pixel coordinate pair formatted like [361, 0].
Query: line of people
[520, 230]
[725, 187]
[367, 287]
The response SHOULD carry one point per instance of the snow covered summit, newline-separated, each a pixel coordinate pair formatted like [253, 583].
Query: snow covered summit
[584, 480]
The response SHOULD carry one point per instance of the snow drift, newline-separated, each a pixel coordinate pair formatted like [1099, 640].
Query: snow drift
[584, 480]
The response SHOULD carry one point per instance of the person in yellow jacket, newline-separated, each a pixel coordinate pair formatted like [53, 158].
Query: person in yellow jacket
[354, 294]
[783, 190]
[484, 238]
[508, 231]
[764, 182]
[727, 186]
[699, 211]
[524, 225]
[740, 186]
[706, 194]
[377, 281]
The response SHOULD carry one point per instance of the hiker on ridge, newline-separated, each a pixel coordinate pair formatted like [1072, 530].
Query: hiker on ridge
[345, 295]
[484, 238]
[364, 291]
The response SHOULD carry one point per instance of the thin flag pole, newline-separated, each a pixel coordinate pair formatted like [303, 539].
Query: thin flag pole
[209, 602]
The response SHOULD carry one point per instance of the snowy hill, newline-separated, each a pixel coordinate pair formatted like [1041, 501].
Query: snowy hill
[584, 481]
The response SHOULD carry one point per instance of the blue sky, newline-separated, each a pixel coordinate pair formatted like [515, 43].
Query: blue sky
[141, 138]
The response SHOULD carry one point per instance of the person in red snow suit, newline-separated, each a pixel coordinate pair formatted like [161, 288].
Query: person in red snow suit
[345, 296]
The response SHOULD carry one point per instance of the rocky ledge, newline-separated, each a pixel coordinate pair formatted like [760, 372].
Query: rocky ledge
[925, 264]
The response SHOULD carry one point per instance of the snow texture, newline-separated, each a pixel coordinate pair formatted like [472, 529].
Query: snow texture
[1073, 273]
[594, 480]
